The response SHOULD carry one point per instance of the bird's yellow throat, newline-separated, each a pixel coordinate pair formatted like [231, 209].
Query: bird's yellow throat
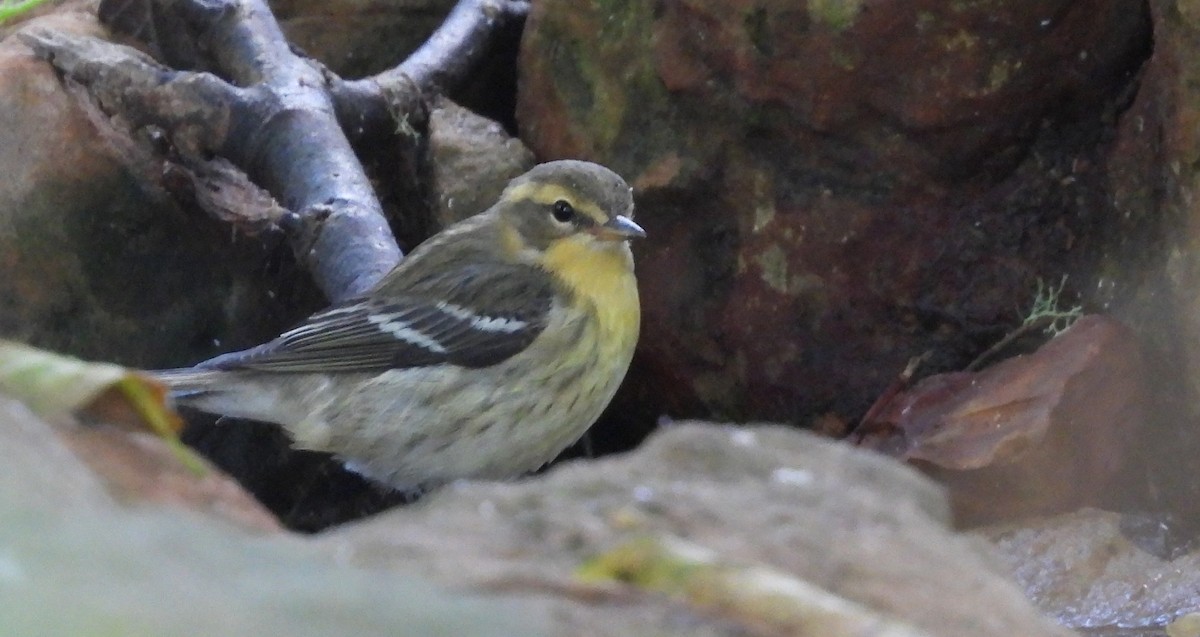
[603, 276]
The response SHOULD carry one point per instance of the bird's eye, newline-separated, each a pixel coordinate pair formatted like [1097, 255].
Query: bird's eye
[563, 211]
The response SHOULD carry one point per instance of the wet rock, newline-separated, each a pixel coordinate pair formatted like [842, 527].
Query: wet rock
[1086, 571]
[1042, 433]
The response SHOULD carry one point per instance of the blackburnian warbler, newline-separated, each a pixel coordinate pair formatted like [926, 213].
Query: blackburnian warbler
[485, 353]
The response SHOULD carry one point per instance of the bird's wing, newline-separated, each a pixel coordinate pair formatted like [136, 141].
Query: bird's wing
[471, 315]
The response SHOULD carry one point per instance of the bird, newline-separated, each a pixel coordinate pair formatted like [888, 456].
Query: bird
[492, 347]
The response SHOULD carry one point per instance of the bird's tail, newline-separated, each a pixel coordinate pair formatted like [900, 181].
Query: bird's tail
[209, 390]
[228, 393]
[187, 383]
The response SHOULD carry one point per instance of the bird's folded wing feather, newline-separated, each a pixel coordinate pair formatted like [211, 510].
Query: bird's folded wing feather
[470, 315]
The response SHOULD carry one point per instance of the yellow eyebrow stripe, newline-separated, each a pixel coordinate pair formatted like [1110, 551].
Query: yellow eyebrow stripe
[547, 194]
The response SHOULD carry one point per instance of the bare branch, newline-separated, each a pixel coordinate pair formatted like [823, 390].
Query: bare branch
[282, 132]
[277, 116]
[370, 106]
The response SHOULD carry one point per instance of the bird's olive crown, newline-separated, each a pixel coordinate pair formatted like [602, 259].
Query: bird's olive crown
[559, 198]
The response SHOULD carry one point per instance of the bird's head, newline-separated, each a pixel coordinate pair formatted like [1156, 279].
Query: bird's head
[569, 205]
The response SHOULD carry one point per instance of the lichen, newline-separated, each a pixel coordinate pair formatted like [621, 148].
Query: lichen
[1045, 308]
[773, 263]
[962, 40]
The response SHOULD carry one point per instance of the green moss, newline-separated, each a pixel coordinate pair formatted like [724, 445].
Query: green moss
[585, 47]
[1001, 73]
[600, 56]
[836, 14]
[845, 59]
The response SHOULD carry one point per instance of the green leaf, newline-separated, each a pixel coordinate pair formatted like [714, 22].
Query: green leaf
[10, 9]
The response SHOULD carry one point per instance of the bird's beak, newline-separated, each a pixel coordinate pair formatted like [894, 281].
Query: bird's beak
[620, 228]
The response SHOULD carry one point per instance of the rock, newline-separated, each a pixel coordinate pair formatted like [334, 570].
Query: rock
[853, 524]
[139, 467]
[1042, 433]
[1186, 626]
[94, 265]
[821, 76]
[356, 38]
[1084, 570]
[470, 160]
[794, 529]
[74, 561]
[1153, 263]
[40, 469]
[832, 188]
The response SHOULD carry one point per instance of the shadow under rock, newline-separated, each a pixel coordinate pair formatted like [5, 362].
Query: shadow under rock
[308, 491]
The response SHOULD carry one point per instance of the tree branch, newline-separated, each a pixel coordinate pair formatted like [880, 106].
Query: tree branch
[279, 117]
[368, 106]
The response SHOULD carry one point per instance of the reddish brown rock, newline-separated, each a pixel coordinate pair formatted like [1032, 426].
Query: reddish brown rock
[94, 263]
[832, 188]
[139, 467]
[1043, 433]
[872, 92]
